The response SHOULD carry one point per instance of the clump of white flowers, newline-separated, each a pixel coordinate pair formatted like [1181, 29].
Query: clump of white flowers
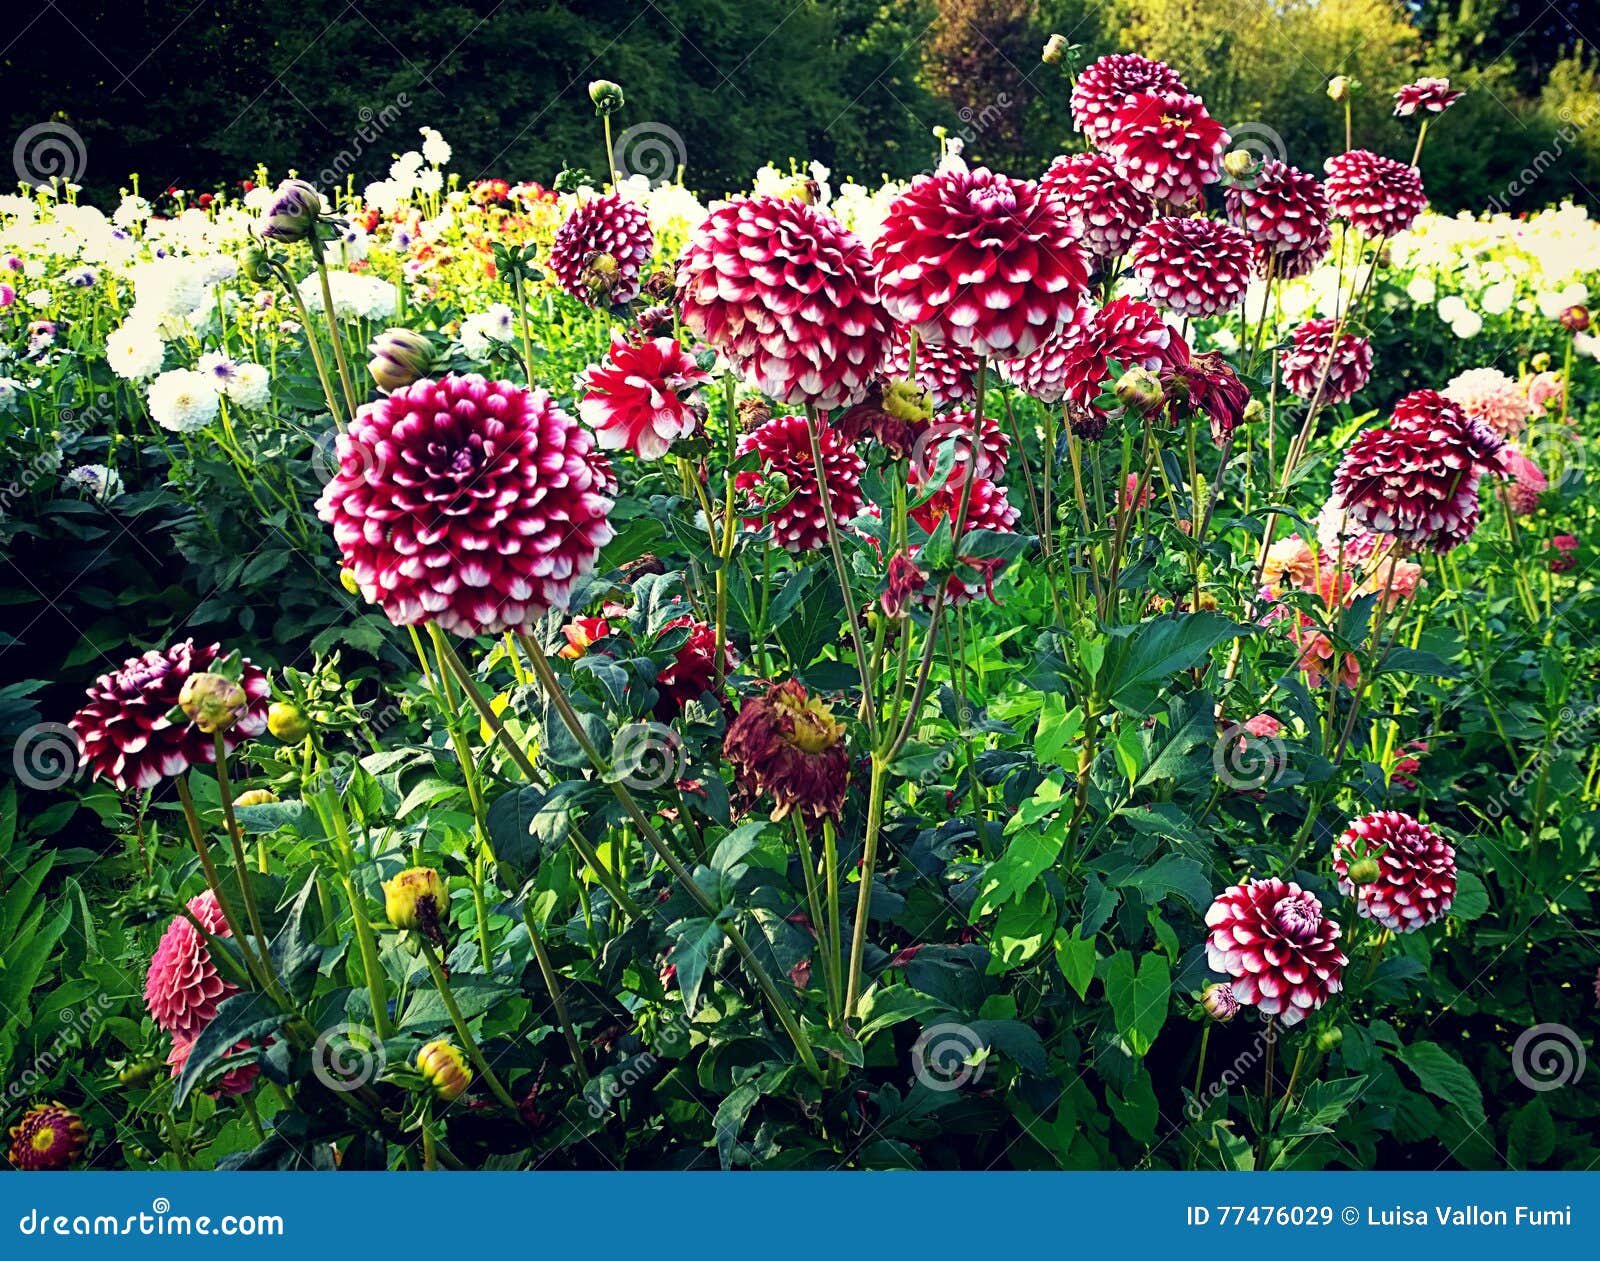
[183, 400]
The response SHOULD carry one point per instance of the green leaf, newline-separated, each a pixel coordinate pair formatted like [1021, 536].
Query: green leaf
[474, 995]
[1076, 957]
[1472, 899]
[1532, 1136]
[1143, 661]
[1320, 1106]
[1058, 728]
[1139, 999]
[1022, 929]
[1028, 856]
[887, 1005]
[695, 940]
[1171, 873]
[1136, 1111]
[731, 1116]
[247, 1015]
[1445, 1077]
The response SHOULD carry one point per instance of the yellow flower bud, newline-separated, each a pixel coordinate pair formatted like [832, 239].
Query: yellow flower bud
[287, 722]
[256, 797]
[212, 701]
[415, 899]
[446, 1069]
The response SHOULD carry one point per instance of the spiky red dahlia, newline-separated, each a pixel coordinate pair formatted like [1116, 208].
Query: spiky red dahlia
[1416, 880]
[471, 503]
[788, 295]
[1431, 96]
[1489, 395]
[1418, 479]
[125, 733]
[784, 449]
[1279, 208]
[1107, 209]
[1075, 364]
[693, 669]
[1306, 360]
[1166, 145]
[1525, 481]
[643, 397]
[787, 744]
[1105, 84]
[947, 373]
[182, 987]
[956, 431]
[1281, 951]
[982, 261]
[1377, 196]
[987, 509]
[49, 1136]
[1195, 267]
[600, 249]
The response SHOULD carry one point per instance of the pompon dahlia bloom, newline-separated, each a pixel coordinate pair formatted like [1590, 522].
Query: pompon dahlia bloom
[1280, 208]
[50, 1136]
[467, 502]
[1194, 267]
[125, 734]
[788, 745]
[1075, 364]
[1525, 481]
[788, 296]
[948, 374]
[1293, 264]
[987, 509]
[784, 448]
[1166, 145]
[1431, 96]
[1281, 951]
[1105, 84]
[1107, 210]
[955, 429]
[693, 669]
[642, 398]
[982, 261]
[1416, 880]
[1378, 196]
[1306, 359]
[601, 248]
[1418, 479]
[1489, 395]
[182, 987]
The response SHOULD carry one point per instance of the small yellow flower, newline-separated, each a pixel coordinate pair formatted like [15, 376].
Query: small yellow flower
[415, 899]
[256, 797]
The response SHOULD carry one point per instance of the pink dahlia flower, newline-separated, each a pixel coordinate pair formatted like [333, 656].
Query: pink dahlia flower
[1107, 210]
[1280, 208]
[1563, 553]
[1166, 145]
[783, 447]
[600, 250]
[1281, 951]
[126, 734]
[182, 987]
[1105, 84]
[471, 503]
[1195, 267]
[1377, 196]
[1430, 96]
[1416, 880]
[643, 397]
[788, 296]
[981, 261]
[1306, 361]
[1526, 481]
[1545, 391]
[1489, 395]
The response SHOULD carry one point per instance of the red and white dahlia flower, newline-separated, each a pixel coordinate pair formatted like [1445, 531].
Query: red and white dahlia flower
[601, 248]
[125, 732]
[1416, 878]
[1431, 96]
[987, 509]
[1280, 208]
[1075, 364]
[788, 296]
[956, 430]
[1306, 360]
[1166, 145]
[471, 503]
[982, 261]
[643, 397]
[1195, 267]
[1107, 210]
[1281, 951]
[949, 374]
[783, 446]
[1105, 84]
[1377, 196]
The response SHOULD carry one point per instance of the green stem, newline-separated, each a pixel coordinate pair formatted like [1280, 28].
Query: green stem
[474, 1052]
[552, 983]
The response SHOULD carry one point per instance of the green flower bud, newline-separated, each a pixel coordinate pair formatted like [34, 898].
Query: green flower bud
[287, 722]
[606, 95]
[212, 702]
[399, 357]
